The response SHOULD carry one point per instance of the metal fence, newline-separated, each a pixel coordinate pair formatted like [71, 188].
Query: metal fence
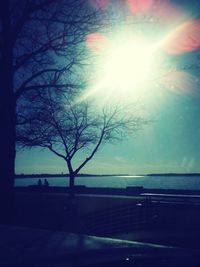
[120, 219]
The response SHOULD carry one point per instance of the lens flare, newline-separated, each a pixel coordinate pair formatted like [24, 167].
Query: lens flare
[185, 38]
[140, 6]
[181, 82]
[167, 11]
[96, 41]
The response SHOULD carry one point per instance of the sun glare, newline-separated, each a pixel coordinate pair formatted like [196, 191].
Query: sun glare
[128, 65]
[125, 69]
[133, 62]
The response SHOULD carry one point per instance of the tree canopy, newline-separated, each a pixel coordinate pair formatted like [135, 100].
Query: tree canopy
[40, 47]
[71, 128]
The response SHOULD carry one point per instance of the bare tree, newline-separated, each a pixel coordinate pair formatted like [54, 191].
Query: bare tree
[40, 44]
[67, 128]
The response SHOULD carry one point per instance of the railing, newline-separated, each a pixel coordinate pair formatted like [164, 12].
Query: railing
[172, 198]
[151, 211]
[120, 219]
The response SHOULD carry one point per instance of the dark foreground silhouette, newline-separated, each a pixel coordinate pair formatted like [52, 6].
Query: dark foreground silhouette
[135, 217]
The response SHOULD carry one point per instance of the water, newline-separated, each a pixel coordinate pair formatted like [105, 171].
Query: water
[166, 182]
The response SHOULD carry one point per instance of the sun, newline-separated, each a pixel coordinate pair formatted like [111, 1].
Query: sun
[128, 65]
[125, 69]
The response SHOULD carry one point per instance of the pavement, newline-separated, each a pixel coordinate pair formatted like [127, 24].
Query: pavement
[23, 246]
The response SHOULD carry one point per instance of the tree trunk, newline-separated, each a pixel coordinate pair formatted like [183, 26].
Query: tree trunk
[71, 185]
[7, 120]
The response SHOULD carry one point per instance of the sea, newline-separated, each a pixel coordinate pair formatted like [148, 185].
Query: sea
[188, 182]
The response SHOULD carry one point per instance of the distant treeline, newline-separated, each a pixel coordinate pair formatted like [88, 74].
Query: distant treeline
[48, 175]
[174, 174]
[44, 175]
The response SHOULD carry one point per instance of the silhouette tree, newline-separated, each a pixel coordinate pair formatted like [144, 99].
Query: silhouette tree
[72, 129]
[40, 43]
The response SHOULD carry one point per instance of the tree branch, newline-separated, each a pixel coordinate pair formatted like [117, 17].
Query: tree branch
[28, 10]
[92, 154]
[55, 152]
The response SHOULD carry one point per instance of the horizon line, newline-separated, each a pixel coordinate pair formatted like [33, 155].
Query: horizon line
[113, 174]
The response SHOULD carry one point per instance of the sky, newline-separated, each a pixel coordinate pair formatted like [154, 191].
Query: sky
[171, 142]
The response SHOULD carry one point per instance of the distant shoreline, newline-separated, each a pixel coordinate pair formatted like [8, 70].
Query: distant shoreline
[64, 175]
[48, 175]
[174, 174]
